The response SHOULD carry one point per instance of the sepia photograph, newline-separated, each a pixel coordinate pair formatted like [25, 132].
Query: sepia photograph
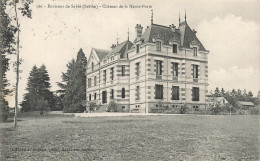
[131, 80]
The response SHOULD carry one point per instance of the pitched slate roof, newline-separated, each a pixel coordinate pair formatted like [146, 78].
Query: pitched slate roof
[101, 53]
[120, 48]
[184, 35]
[244, 103]
[162, 32]
[189, 36]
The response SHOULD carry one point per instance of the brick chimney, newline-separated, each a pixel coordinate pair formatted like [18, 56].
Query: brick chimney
[138, 30]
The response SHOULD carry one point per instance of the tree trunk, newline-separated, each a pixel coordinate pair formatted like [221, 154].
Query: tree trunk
[17, 68]
[1, 86]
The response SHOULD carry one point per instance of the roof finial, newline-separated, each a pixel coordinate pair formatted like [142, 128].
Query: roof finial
[152, 17]
[179, 18]
[117, 39]
[185, 15]
[128, 34]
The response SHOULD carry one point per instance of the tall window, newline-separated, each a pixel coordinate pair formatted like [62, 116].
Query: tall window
[158, 67]
[195, 94]
[195, 51]
[175, 93]
[123, 70]
[137, 69]
[195, 71]
[158, 45]
[89, 82]
[123, 92]
[95, 96]
[95, 80]
[104, 96]
[158, 91]
[174, 48]
[112, 94]
[112, 73]
[175, 69]
[105, 76]
[92, 66]
[89, 97]
[137, 92]
[137, 48]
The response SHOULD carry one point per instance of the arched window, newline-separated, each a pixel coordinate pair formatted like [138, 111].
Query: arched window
[123, 92]
[92, 66]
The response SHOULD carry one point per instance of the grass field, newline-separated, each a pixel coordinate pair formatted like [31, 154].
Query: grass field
[182, 137]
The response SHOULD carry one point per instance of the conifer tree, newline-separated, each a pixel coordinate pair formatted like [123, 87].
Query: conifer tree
[39, 95]
[74, 84]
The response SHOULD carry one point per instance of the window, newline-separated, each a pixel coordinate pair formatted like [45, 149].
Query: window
[195, 94]
[174, 48]
[195, 51]
[112, 94]
[105, 76]
[175, 69]
[92, 66]
[158, 91]
[175, 93]
[195, 71]
[137, 69]
[123, 107]
[89, 97]
[95, 96]
[123, 70]
[158, 67]
[112, 73]
[137, 92]
[104, 96]
[158, 46]
[95, 80]
[137, 48]
[123, 92]
[89, 82]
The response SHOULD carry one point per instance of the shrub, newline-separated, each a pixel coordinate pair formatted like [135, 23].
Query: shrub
[183, 109]
[112, 107]
[254, 110]
[92, 106]
[215, 109]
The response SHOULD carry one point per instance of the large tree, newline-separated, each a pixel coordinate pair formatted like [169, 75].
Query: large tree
[73, 85]
[7, 31]
[39, 96]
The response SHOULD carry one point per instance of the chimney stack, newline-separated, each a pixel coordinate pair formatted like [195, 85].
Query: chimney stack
[173, 27]
[138, 30]
[113, 46]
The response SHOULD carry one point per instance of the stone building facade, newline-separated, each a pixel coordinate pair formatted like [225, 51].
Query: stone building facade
[164, 67]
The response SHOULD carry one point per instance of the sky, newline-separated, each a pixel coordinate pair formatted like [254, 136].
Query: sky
[230, 30]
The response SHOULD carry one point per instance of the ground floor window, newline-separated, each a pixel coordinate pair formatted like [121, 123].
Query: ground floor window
[195, 94]
[175, 93]
[158, 91]
[104, 96]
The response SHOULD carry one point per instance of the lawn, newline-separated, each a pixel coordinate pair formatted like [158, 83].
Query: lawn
[182, 137]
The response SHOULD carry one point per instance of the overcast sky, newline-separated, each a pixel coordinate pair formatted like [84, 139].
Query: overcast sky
[229, 30]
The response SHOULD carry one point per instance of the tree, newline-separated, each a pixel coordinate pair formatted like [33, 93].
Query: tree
[7, 41]
[38, 87]
[112, 107]
[73, 84]
[25, 11]
[222, 92]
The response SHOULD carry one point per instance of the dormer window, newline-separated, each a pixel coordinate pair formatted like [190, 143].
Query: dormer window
[174, 48]
[158, 45]
[137, 48]
[195, 50]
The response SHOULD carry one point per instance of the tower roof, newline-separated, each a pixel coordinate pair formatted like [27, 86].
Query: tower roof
[184, 35]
